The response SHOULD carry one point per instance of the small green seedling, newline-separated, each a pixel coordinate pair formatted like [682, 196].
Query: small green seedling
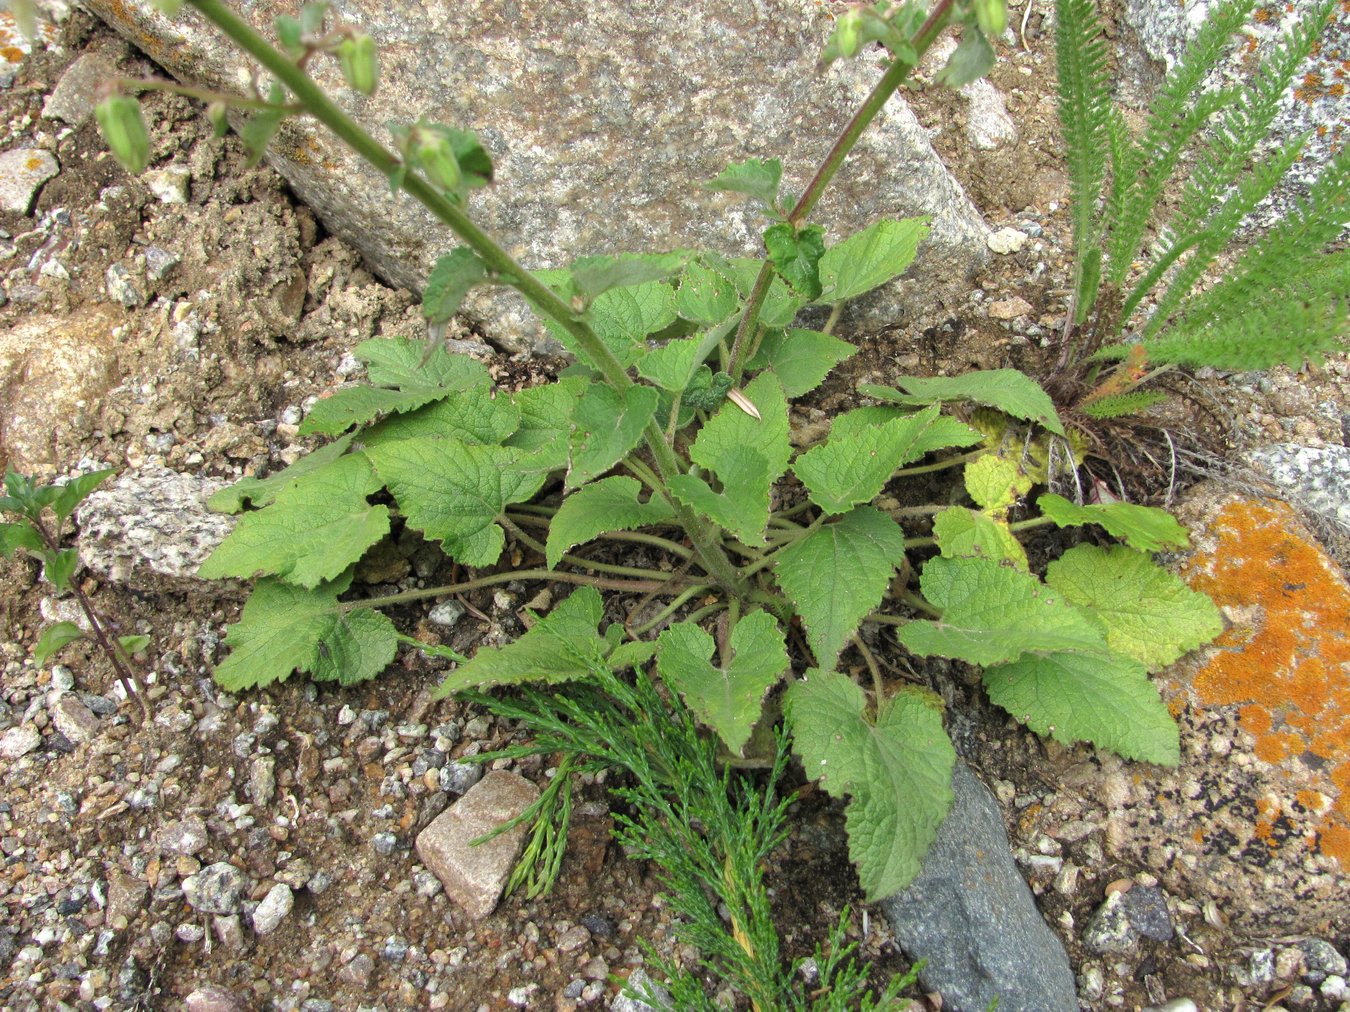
[35, 534]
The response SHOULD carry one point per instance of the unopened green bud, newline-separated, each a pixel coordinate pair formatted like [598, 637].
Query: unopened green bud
[119, 116]
[992, 17]
[436, 158]
[215, 112]
[847, 37]
[360, 63]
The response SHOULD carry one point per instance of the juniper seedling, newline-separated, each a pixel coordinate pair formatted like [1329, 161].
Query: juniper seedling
[686, 447]
[41, 512]
[1283, 301]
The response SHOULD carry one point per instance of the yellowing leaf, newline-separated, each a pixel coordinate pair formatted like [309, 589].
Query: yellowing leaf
[1149, 614]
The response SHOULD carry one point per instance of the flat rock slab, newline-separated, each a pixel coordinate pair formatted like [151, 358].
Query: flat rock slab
[972, 917]
[54, 371]
[603, 119]
[1257, 816]
[149, 528]
[473, 877]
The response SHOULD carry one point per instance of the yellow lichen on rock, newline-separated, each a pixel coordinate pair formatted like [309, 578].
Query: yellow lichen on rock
[1285, 664]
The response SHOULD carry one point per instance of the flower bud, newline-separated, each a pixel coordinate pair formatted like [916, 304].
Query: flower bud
[436, 158]
[992, 17]
[119, 116]
[360, 64]
[848, 33]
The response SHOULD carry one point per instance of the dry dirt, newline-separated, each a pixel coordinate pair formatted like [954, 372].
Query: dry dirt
[210, 376]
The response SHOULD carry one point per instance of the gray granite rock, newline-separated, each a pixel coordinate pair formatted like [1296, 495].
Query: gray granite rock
[1317, 478]
[473, 877]
[216, 889]
[150, 525]
[22, 173]
[641, 983]
[603, 120]
[73, 99]
[273, 908]
[972, 917]
[54, 371]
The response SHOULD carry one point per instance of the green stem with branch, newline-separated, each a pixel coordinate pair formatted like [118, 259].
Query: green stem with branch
[891, 80]
[500, 263]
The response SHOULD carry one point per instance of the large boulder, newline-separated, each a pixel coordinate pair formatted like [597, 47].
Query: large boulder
[603, 119]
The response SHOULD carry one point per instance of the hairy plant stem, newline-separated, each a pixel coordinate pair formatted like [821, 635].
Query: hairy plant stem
[652, 586]
[200, 94]
[573, 560]
[872, 105]
[960, 458]
[683, 598]
[500, 263]
[130, 683]
[636, 537]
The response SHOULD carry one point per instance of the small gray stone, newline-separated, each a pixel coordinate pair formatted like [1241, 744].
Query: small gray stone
[640, 983]
[213, 999]
[262, 780]
[1146, 907]
[1335, 987]
[159, 261]
[126, 896]
[1110, 928]
[22, 173]
[269, 913]
[122, 288]
[19, 741]
[169, 185]
[473, 877]
[150, 525]
[1006, 240]
[229, 929]
[972, 917]
[384, 843]
[446, 614]
[75, 720]
[573, 938]
[988, 125]
[457, 777]
[1320, 959]
[76, 93]
[216, 889]
[187, 836]
[1009, 309]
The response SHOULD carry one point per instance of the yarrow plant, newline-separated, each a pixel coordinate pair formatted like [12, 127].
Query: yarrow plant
[778, 555]
[1283, 301]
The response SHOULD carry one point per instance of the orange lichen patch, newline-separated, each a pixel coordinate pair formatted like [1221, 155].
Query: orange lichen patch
[1284, 664]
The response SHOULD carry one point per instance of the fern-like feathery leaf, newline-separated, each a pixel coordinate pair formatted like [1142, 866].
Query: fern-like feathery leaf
[1084, 112]
[1177, 115]
[1294, 250]
[1247, 122]
[1118, 405]
[1210, 240]
[1298, 322]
